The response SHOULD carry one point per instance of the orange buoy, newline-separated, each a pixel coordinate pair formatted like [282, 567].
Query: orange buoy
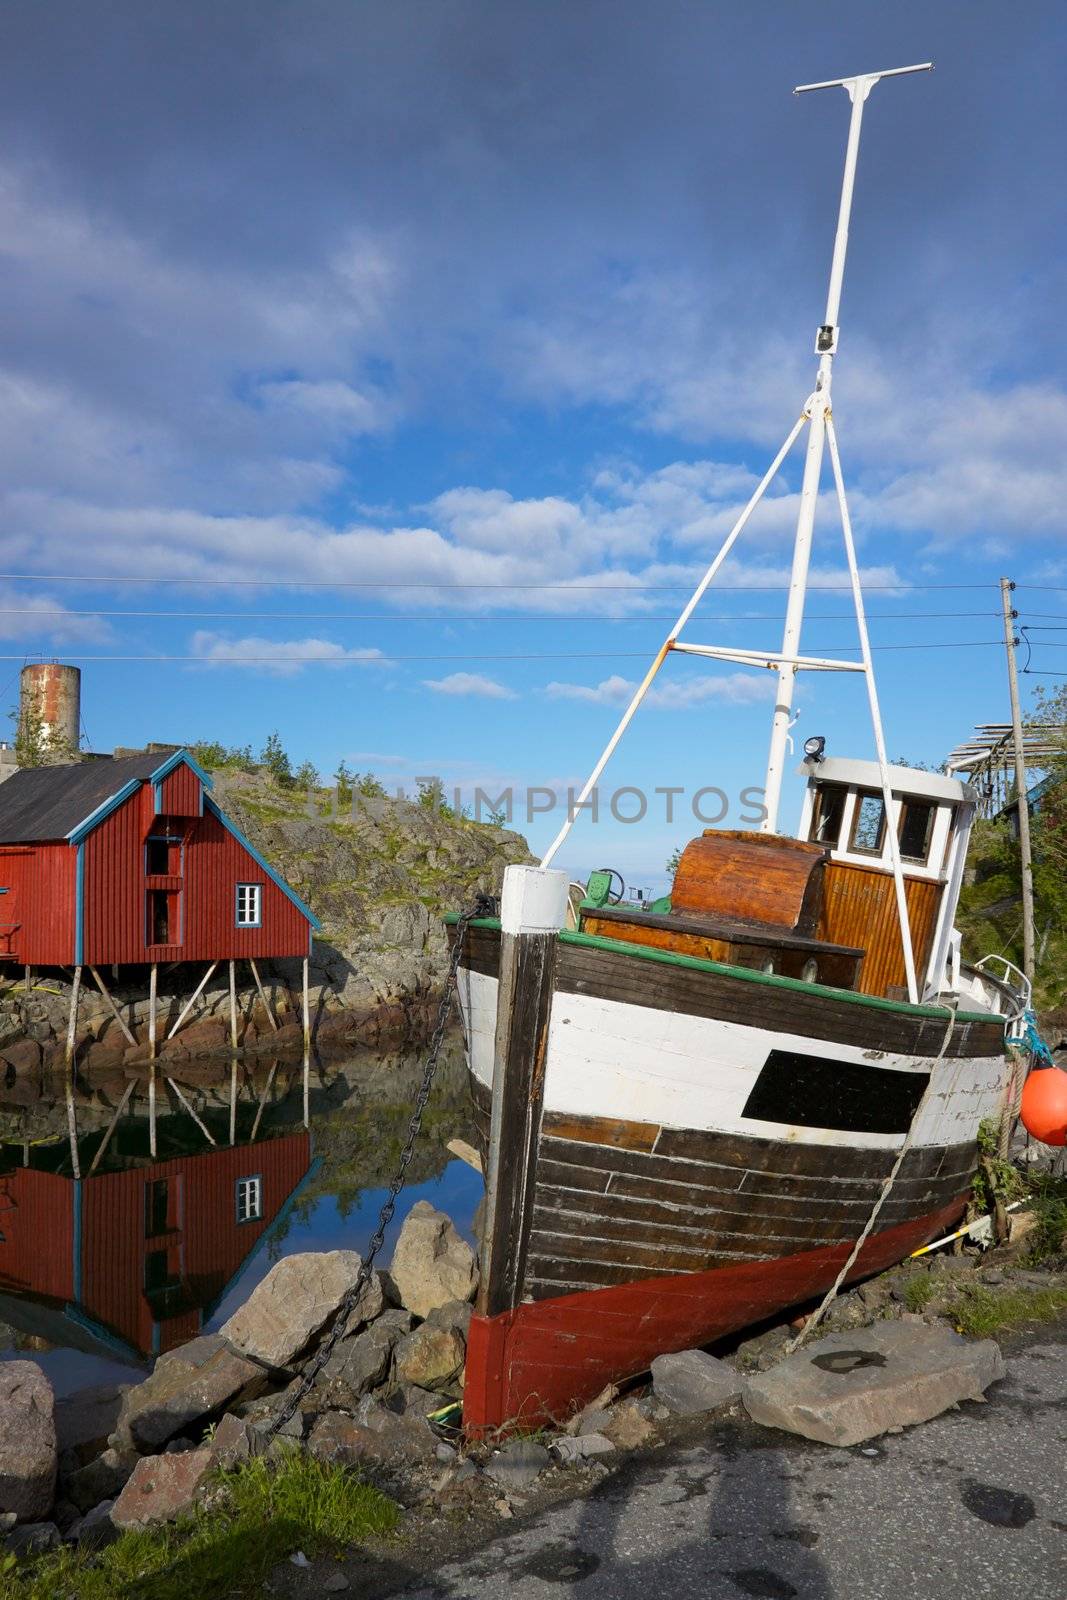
[1044, 1105]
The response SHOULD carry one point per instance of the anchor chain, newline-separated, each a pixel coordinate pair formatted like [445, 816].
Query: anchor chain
[483, 906]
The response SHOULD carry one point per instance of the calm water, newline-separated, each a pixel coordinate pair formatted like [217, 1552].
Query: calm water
[99, 1276]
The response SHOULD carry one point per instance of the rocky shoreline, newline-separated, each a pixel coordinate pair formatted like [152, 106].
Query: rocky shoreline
[387, 1401]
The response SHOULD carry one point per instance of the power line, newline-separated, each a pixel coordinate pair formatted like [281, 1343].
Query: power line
[520, 584]
[475, 616]
[542, 655]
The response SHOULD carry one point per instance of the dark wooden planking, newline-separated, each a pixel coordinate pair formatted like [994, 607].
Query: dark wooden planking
[527, 966]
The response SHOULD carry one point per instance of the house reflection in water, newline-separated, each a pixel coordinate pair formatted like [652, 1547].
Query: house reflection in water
[133, 1260]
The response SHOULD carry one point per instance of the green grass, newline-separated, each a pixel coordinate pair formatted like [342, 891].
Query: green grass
[981, 1312]
[267, 1513]
[918, 1292]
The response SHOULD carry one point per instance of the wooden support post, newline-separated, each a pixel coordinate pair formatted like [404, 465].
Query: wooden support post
[307, 1014]
[1025, 862]
[233, 1101]
[28, 978]
[306, 1077]
[193, 998]
[233, 1007]
[112, 1007]
[184, 1102]
[533, 910]
[72, 1024]
[152, 981]
[106, 1140]
[266, 1003]
[263, 1100]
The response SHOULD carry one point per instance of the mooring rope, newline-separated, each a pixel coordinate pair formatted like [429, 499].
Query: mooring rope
[887, 1183]
[483, 906]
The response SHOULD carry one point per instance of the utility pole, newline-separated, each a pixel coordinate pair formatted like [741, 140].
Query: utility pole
[1010, 642]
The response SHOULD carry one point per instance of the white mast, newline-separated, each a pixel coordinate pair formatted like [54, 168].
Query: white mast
[788, 661]
[817, 407]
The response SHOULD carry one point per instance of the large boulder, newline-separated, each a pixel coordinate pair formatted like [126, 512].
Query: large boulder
[429, 1356]
[294, 1303]
[431, 1264]
[85, 1419]
[190, 1385]
[28, 1455]
[858, 1383]
[162, 1488]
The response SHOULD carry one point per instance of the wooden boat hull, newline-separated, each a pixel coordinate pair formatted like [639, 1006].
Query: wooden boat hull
[680, 1180]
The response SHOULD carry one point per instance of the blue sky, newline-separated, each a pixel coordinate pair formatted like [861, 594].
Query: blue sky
[316, 314]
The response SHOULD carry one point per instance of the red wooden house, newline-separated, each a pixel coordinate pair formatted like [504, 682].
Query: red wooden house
[135, 1261]
[131, 861]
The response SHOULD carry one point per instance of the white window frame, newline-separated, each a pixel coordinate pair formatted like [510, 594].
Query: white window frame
[248, 1198]
[248, 905]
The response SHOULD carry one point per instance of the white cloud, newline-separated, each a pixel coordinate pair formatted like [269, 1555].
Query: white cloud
[470, 683]
[739, 688]
[279, 657]
[42, 616]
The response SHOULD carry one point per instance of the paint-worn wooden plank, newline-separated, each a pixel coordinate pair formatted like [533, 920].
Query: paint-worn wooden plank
[615, 1133]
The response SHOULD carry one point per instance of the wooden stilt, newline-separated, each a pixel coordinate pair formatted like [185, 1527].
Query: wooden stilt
[307, 1087]
[28, 978]
[106, 1140]
[184, 1102]
[233, 1096]
[233, 1007]
[152, 980]
[112, 1007]
[266, 1003]
[263, 1100]
[72, 1024]
[307, 1013]
[193, 998]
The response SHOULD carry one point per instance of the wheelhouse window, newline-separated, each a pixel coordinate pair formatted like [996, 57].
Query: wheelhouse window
[249, 905]
[916, 828]
[868, 824]
[249, 1199]
[828, 814]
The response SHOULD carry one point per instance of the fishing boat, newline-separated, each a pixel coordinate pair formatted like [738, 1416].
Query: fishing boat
[698, 1113]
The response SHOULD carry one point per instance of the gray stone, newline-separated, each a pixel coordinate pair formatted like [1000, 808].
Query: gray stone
[32, 1539]
[594, 1420]
[518, 1464]
[294, 1303]
[361, 1363]
[582, 1446]
[384, 1438]
[28, 1453]
[763, 1351]
[855, 1385]
[431, 1264]
[162, 1489]
[429, 1356]
[95, 1529]
[233, 1441]
[189, 1386]
[454, 1314]
[688, 1382]
[335, 1582]
[84, 1419]
[102, 1479]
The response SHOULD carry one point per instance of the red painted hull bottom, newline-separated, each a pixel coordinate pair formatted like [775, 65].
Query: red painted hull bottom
[543, 1361]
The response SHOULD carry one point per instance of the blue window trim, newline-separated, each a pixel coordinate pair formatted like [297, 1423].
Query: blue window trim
[246, 884]
[260, 861]
[250, 1177]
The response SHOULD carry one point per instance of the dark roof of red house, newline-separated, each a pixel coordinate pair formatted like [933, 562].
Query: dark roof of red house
[49, 802]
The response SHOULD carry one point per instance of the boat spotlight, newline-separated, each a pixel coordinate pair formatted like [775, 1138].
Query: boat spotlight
[814, 747]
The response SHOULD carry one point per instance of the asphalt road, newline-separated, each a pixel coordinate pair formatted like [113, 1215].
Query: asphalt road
[973, 1504]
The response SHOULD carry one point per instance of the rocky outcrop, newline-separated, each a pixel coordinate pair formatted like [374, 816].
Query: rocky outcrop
[28, 1456]
[431, 1264]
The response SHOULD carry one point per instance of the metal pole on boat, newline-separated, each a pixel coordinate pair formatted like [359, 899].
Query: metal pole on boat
[668, 644]
[893, 837]
[818, 405]
[1025, 861]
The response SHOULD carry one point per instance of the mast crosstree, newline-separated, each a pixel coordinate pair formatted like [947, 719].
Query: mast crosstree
[787, 661]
